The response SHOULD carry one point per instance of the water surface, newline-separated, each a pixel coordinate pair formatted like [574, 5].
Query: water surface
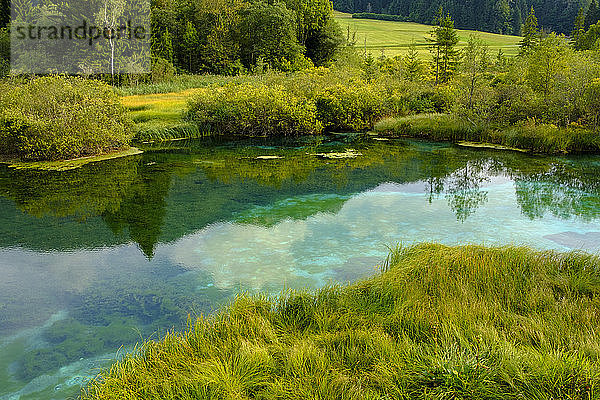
[94, 259]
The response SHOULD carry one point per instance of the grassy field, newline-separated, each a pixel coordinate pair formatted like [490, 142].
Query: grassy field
[157, 108]
[395, 37]
[440, 322]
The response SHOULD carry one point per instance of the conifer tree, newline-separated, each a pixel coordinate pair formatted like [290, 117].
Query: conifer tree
[443, 48]
[412, 65]
[190, 44]
[4, 13]
[530, 33]
[578, 30]
[593, 15]
[517, 22]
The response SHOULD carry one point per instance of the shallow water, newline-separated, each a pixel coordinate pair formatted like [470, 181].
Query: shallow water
[92, 260]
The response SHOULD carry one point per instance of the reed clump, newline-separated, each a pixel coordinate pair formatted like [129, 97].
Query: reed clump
[531, 136]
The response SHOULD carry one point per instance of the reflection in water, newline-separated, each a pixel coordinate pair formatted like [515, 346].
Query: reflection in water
[164, 195]
[103, 255]
[464, 189]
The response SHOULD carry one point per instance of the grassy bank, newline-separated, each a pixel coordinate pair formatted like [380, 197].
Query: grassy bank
[540, 138]
[158, 116]
[439, 323]
[273, 103]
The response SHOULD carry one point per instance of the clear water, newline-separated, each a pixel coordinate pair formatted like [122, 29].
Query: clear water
[94, 259]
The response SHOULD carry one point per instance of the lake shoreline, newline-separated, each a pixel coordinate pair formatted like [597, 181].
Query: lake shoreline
[468, 320]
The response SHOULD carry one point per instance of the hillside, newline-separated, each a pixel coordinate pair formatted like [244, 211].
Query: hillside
[394, 38]
[499, 16]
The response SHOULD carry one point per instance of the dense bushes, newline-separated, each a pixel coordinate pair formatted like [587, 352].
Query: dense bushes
[322, 99]
[253, 109]
[441, 323]
[546, 100]
[345, 108]
[302, 103]
[54, 118]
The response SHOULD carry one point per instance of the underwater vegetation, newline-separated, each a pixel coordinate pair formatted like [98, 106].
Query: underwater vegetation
[107, 317]
[439, 322]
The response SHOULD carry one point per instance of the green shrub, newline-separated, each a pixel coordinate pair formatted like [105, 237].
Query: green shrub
[348, 108]
[53, 118]
[162, 70]
[253, 109]
[435, 100]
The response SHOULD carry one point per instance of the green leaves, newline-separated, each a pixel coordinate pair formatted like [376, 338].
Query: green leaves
[253, 109]
[56, 117]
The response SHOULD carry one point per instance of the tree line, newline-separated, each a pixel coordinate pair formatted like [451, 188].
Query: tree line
[223, 36]
[497, 16]
[232, 36]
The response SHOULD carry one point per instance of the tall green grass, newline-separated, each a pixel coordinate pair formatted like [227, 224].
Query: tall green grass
[438, 323]
[537, 138]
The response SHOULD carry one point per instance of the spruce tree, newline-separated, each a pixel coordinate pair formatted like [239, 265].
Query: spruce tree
[530, 33]
[593, 15]
[517, 21]
[4, 13]
[190, 45]
[445, 56]
[578, 30]
[412, 65]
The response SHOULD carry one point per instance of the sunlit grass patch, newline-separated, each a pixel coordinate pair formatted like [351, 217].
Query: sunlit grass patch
[439, 322]
[159, 116]
[394, 38]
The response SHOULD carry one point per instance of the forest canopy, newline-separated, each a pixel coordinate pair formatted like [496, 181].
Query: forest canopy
[216, 36]
[233, 36]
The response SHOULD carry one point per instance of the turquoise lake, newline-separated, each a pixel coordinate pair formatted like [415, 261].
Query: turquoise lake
[96, 259]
